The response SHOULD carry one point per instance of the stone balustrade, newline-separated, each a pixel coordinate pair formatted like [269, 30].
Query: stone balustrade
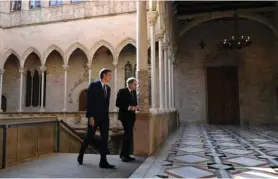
[66, 12]
[74, 119]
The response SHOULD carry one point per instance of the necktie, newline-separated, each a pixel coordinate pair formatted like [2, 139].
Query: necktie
[131, 95]
[104, 90]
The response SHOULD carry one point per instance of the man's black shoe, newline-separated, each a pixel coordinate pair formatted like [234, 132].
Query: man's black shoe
[106, 165]
[80, 160]
[131, 158]
[124, 159]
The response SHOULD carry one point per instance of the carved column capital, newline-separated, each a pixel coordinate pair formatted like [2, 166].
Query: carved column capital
[89, 65]
[66, 67]
[152, 17]
[160, 34]
[115, 65]
[165, 45]
[21, 70]
[2, 71]
[43, 68]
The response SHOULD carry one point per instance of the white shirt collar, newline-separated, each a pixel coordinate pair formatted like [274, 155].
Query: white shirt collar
[102, 84]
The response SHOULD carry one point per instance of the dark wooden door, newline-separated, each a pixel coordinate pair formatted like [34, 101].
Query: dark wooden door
[223, 97]
[83, 100]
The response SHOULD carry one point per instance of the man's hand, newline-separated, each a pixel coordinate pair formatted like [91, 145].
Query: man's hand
[91, 121]
[136, 107]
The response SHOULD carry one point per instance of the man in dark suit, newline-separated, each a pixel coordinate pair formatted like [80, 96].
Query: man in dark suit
[127, 103]
[98, 98]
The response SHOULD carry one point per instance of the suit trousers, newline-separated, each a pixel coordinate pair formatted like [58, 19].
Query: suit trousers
[128, 125]
[100, 143]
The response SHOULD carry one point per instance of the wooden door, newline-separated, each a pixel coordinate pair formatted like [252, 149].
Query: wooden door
[223, 97]
[83, 100]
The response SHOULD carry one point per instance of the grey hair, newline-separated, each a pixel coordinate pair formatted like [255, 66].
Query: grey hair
[130, 80]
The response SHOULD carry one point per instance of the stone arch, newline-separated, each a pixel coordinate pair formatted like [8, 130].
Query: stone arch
[101, 43]
[6, 56]
[220, 15]
[122, 45]
[72, 48]
[28, 52]
[51, 49]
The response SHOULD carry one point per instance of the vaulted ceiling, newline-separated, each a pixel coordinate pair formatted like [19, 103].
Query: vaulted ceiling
[195, 7]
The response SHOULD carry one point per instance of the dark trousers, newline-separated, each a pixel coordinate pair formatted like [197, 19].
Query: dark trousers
[128, 125]
[100, 143]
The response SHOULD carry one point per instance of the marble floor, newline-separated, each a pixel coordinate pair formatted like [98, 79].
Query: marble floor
[207, 151]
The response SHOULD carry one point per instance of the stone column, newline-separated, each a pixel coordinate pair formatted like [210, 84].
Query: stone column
[66, 67]
[115, 83]
[152, 16]
[165, 47]
[21, 71]
[161, 70]
[42, 68]
[172, 86]
[142, 57]
[1, 87]
[169, 81]
[89, 65]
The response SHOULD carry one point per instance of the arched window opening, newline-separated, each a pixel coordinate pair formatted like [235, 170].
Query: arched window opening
[36, 89]
[4, 104]
[128, 71]
[28, 95]
[16, 5]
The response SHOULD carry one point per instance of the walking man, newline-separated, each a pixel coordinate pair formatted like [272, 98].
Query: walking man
[98, 99]
[127, 103]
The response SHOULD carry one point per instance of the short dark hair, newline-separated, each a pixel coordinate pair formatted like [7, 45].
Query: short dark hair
[103, 72]
[130, 80]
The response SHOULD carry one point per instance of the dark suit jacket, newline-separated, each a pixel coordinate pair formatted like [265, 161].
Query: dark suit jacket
[123, 101]
[97, 106]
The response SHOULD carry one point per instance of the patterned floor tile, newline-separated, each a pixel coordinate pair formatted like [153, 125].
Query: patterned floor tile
[191, 149]
[245, 161]
[229, 144]
[190, 172]
[237, 151]
[255, 174]
[191, 159]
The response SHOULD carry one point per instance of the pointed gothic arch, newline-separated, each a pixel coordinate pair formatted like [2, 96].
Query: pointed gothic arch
[122, 45]
[7, 54]
[72, 48]
[50, 49]
[28, 52]
[98, 45]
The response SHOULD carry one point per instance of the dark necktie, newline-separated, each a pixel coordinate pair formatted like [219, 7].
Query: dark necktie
[131, 95]
[104, 90]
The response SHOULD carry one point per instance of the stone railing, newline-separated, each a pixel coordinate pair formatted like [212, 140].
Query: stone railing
[73, 119]
[66, 12]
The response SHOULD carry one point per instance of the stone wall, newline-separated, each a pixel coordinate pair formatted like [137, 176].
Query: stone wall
[65, 12]
[255, 63]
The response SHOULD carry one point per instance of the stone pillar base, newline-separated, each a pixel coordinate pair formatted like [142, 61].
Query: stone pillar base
[42, 110]
[154, 110]
[64, 110]
[150, 130]
[19, 110]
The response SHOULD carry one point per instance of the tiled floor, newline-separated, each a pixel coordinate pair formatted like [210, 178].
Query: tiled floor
[205, 151]
[66, 166]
